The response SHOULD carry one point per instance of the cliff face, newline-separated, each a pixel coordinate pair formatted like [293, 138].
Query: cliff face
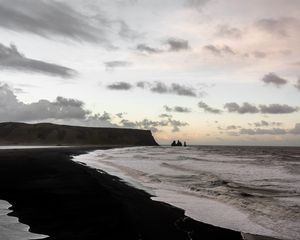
[52, 134]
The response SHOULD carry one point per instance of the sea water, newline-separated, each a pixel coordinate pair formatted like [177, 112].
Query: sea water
[249, 189]
[11, 228]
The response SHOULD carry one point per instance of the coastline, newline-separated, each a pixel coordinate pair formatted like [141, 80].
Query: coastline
[67, 200]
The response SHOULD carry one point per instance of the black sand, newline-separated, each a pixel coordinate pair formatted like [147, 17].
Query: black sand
[67, 200]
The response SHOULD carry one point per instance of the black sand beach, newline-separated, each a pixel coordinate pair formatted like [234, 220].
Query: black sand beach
[66, 200]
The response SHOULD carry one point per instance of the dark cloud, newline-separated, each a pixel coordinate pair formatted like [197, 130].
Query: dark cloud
[50, 19]
[147, 49]
[164, 115]
[69, 111]
[269, 109]
[176, 44]
[178, 109]
[181, 109]
[104, 117]
[174, 88]
[277, 109]
[267, 131]
[262, 131]
[227, 31]
[173, 45]
[263, 123]
[232, 127]
[159, 87]
[297, 85]
[120, 86]
[115, 64]
[175, 124]
[220, 51]
[120, 115]
[229, 128]
[11, 109]
[61, 101]
[272, 78]
[280, 27]
[143, 85]
[154, 126]
[128, 124]
[182, 90]
[208, 109]
[11, 58]
[245, 108]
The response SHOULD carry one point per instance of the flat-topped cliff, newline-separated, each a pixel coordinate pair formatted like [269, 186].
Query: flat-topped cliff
[12, 133]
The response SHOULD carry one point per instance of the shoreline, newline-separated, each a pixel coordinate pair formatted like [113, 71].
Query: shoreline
[63, 199]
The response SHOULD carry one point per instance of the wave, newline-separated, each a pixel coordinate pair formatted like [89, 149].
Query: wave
[252, 190]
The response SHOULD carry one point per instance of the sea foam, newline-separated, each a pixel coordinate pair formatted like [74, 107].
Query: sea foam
[248, 189]
[11, 228]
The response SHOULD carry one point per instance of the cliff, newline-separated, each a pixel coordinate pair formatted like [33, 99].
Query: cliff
[12, 133]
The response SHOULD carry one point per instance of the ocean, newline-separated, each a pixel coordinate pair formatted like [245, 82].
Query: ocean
[249, 189]
[11, 228]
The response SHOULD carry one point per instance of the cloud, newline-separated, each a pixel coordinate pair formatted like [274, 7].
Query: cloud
[178, 109]
[259, 54]
[262, 131]
[229, 128]
[267, 131]
[177, 89]
[120, 86]
[297, 85]
[128, 124]
[279, 27]
[115, 64]
[272, 78]
[154, 126]
[164, 115]
[11, 109]
[173, 45]
[126, 32]
[245, 108]
[162, 88]
[232, 127]
[143, 85]
[147, 49]
[50, 19]
[228, 32]
[278, 109]
[177, 124]
[176, 44]
[182, 90]
[120, 115]
[159, 87]
[70, 111]
[219, 51]
[61, 110]
[263, 123]
[296, 129]
[266, 109]
[11, 58]
[208, 109]
[196, 3]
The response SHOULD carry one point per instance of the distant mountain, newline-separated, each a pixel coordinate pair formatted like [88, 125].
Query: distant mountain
[12, 133]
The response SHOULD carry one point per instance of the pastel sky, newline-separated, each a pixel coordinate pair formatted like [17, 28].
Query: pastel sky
[203, 71]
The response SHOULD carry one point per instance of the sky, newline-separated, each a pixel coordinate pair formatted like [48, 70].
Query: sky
[202, 71]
